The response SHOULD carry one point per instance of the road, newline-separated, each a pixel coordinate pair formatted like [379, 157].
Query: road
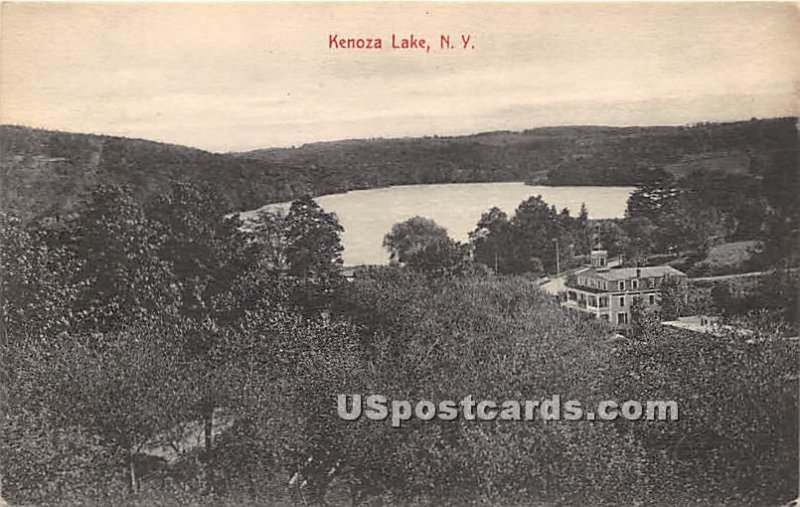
[733, 276]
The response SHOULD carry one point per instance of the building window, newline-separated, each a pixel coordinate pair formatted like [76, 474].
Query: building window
[622, 318]
[603, 301]
[592, 301]
[622, 285]
[651, 282]
[635, 284]
[605, 285]
[572, 296]
[652, 298]
[622, 301]
[604, 317]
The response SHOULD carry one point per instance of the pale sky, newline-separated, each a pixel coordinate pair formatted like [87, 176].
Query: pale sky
[244, 76]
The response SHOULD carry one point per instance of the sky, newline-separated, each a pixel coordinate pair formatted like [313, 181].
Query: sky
[231, 77]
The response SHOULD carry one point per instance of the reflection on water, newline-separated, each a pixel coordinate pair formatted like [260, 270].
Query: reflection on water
[367, 215]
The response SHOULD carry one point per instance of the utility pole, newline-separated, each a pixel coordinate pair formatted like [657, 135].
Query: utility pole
[558, 261]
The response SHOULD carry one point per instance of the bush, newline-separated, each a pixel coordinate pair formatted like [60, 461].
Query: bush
[497, 339]
[736, 439]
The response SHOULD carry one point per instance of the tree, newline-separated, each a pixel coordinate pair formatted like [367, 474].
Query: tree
[491, 220]
[611, 235]
[37, 292]
[207, 249]
[536, 229]
[649, 198]
[493, 337]
[492, 241]
[582, 229]
[123, 278]
[645, 320]
[530, 241]
[413, 238]
[673, 297]
[269, 234]
[209, 252]
[583, 215]
[688, 225]
[313, 254]
[37, 295]
[422, 245]
[642, 234]
[265, 281]
[45, 457]
[722, 299]
[775, 294]
[779, 239]
[286, 369]
[705, 452]
[127, 389]
[741, 198]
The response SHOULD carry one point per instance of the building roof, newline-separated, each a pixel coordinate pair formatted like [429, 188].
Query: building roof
[704, 324]
[697, 323]
[626, 273]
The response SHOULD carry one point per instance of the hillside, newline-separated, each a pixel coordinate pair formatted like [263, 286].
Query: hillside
[579, 155]
[46, 172]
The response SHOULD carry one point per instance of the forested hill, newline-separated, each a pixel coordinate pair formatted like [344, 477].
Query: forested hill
[552, 155]
[46, 172]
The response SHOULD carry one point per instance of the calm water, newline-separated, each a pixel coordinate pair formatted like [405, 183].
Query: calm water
[367, 215]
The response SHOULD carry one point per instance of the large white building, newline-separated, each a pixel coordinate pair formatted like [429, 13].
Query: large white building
[608, 293]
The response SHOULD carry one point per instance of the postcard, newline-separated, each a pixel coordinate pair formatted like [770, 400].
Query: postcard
[401, 253]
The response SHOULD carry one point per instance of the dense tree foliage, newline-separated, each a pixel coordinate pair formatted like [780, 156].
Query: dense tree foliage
[413, 238]
[122, 275]
[126, 391]
[530, 241]
[737, 430]
[481, 336]
[695, 210]
[610, 235]
[206, 249]
[421, 244]
[313, 253]
[37, 289]
[208, 253]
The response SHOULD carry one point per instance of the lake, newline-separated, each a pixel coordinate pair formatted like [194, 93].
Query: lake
[367, 215]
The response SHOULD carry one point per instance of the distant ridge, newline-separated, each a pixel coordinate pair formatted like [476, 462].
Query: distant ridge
[47, 172]
[577, 155]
